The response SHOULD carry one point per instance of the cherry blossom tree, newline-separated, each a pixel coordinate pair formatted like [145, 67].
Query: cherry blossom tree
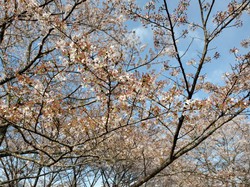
[84, 101]
[221, 161]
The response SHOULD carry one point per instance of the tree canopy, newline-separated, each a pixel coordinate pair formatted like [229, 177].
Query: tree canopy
[124, 93]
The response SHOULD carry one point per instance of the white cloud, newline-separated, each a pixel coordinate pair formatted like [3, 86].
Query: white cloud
[145, 34]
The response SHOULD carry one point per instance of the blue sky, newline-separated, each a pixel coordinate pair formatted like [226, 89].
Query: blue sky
[230, 38]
